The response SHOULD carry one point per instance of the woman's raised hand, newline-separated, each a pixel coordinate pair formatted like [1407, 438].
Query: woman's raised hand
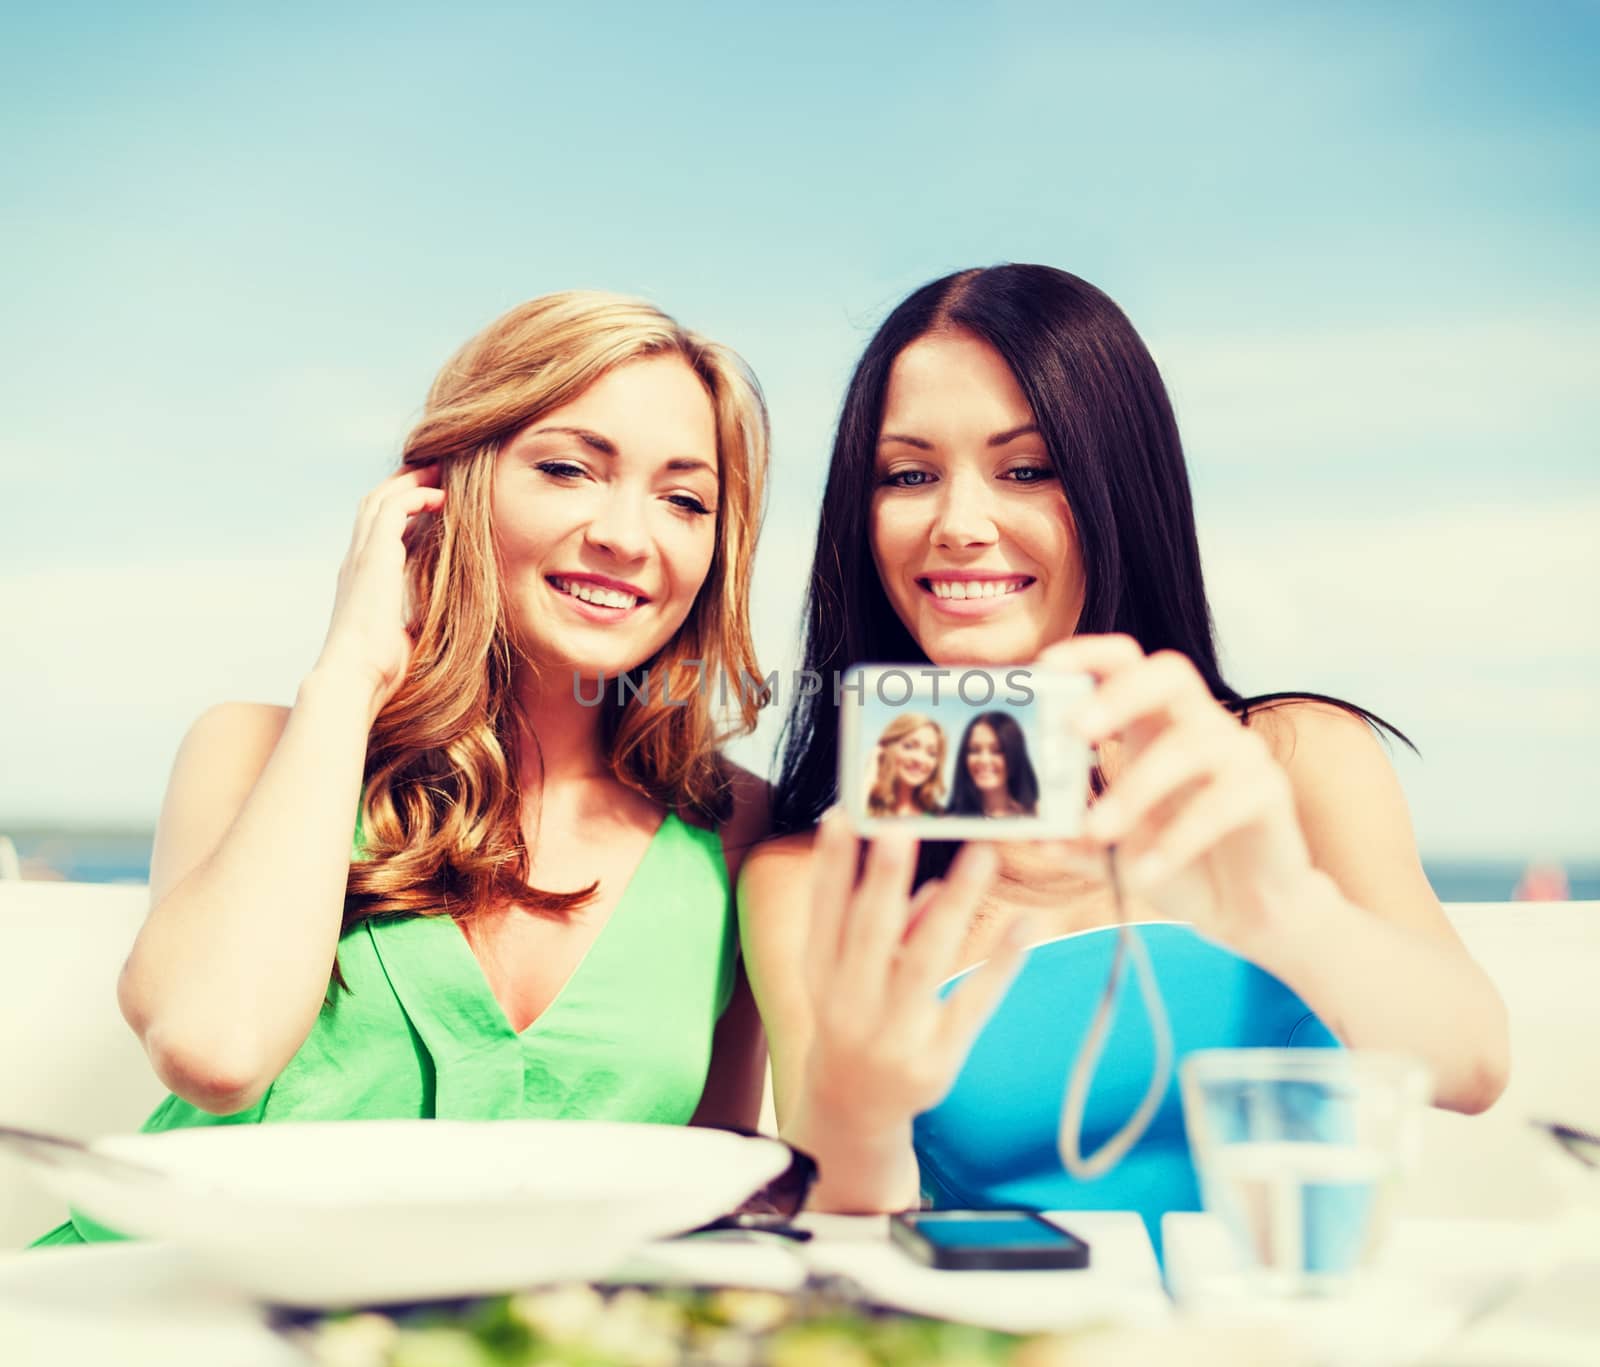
[885, 1046]
[1200, 811]
[367, 637]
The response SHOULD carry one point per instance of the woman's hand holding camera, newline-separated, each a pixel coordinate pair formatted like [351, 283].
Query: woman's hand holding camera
[884, 1045]
[367, 639]
[1201, 813]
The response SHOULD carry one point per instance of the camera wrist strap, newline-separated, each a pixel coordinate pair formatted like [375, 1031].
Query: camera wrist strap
[1079, 1082]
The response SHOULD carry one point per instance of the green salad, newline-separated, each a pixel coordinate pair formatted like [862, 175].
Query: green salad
[635, 1327]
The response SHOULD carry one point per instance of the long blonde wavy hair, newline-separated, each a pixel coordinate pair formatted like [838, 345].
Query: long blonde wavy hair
[441, 825]
[929, 794]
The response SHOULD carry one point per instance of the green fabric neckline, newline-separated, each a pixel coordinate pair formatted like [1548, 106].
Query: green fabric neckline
[411, 954]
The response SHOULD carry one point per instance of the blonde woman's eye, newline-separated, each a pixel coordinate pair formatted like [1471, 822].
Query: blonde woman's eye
[690, 504]
[560, 469]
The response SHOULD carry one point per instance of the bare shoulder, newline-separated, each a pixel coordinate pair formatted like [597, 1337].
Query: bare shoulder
[780, 857]
[749, 818]
[239, 725]
[227, 745]
[1352, 808]
[774, 923]
[1321, 745]
[218, 763]
[776, 877]
[1283, 724]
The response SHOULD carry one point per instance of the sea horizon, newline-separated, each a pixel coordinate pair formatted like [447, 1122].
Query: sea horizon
[121, 854]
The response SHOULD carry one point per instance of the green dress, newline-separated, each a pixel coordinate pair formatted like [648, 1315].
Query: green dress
[419, 1034]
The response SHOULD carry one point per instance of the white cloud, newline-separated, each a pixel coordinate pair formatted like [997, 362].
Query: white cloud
[1336, 395]
[109, 667]
[1475, 630]
[349, 409]
[1494, 587]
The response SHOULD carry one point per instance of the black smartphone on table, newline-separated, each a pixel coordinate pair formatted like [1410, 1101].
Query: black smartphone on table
[986, 1240]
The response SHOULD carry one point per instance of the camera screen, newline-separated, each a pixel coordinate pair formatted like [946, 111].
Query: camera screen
[962, 753]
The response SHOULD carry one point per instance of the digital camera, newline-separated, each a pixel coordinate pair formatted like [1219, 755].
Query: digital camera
[963, 752]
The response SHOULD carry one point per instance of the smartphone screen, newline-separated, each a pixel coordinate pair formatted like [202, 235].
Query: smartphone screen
[993, 1232]
[991, 1240]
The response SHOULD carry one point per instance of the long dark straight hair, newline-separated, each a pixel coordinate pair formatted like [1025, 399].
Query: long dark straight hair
[1022, 783]
[1107, 424]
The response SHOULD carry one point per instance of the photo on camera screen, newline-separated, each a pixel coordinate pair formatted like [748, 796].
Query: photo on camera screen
[962, 752]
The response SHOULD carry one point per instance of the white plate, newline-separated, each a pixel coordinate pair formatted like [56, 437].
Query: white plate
[383, 1210]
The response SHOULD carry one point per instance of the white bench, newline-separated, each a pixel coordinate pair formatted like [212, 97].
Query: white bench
[69, 1063]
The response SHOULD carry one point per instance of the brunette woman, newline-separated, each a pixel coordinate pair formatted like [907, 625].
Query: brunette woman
[1007, 430]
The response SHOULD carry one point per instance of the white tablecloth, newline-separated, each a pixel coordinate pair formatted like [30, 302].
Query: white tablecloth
[148, 1305]
[1451, 1293]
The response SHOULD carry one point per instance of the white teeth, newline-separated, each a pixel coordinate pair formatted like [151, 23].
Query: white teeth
[974, 588]
[593, 593]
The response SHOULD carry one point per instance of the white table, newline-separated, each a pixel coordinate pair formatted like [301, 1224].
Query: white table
[1453, 1293]
[1122, 1283]
[142, 1304]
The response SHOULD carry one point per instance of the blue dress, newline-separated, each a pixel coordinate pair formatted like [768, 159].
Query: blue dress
[993, 1140]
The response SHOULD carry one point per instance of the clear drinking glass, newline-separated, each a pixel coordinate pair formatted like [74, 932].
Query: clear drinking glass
[1299, 1152]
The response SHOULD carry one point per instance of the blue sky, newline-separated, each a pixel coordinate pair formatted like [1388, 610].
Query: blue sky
[1361, 240]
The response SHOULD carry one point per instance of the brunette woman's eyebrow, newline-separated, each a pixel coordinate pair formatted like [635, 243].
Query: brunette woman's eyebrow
[1027, 429]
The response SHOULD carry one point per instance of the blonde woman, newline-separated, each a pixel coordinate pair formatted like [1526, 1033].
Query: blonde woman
[907, 777]
[534, 919]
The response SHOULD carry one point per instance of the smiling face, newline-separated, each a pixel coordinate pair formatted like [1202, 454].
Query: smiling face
[916, 756]
[986, 761]
[970, 529]
[605, 517]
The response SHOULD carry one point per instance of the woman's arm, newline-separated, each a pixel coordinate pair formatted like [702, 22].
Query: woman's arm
[247, 882]
[846, 966]
[1289, 841]
[860, 1168]
[252, 849]
[737, 1076]
[1369, 946]
[773, 891]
